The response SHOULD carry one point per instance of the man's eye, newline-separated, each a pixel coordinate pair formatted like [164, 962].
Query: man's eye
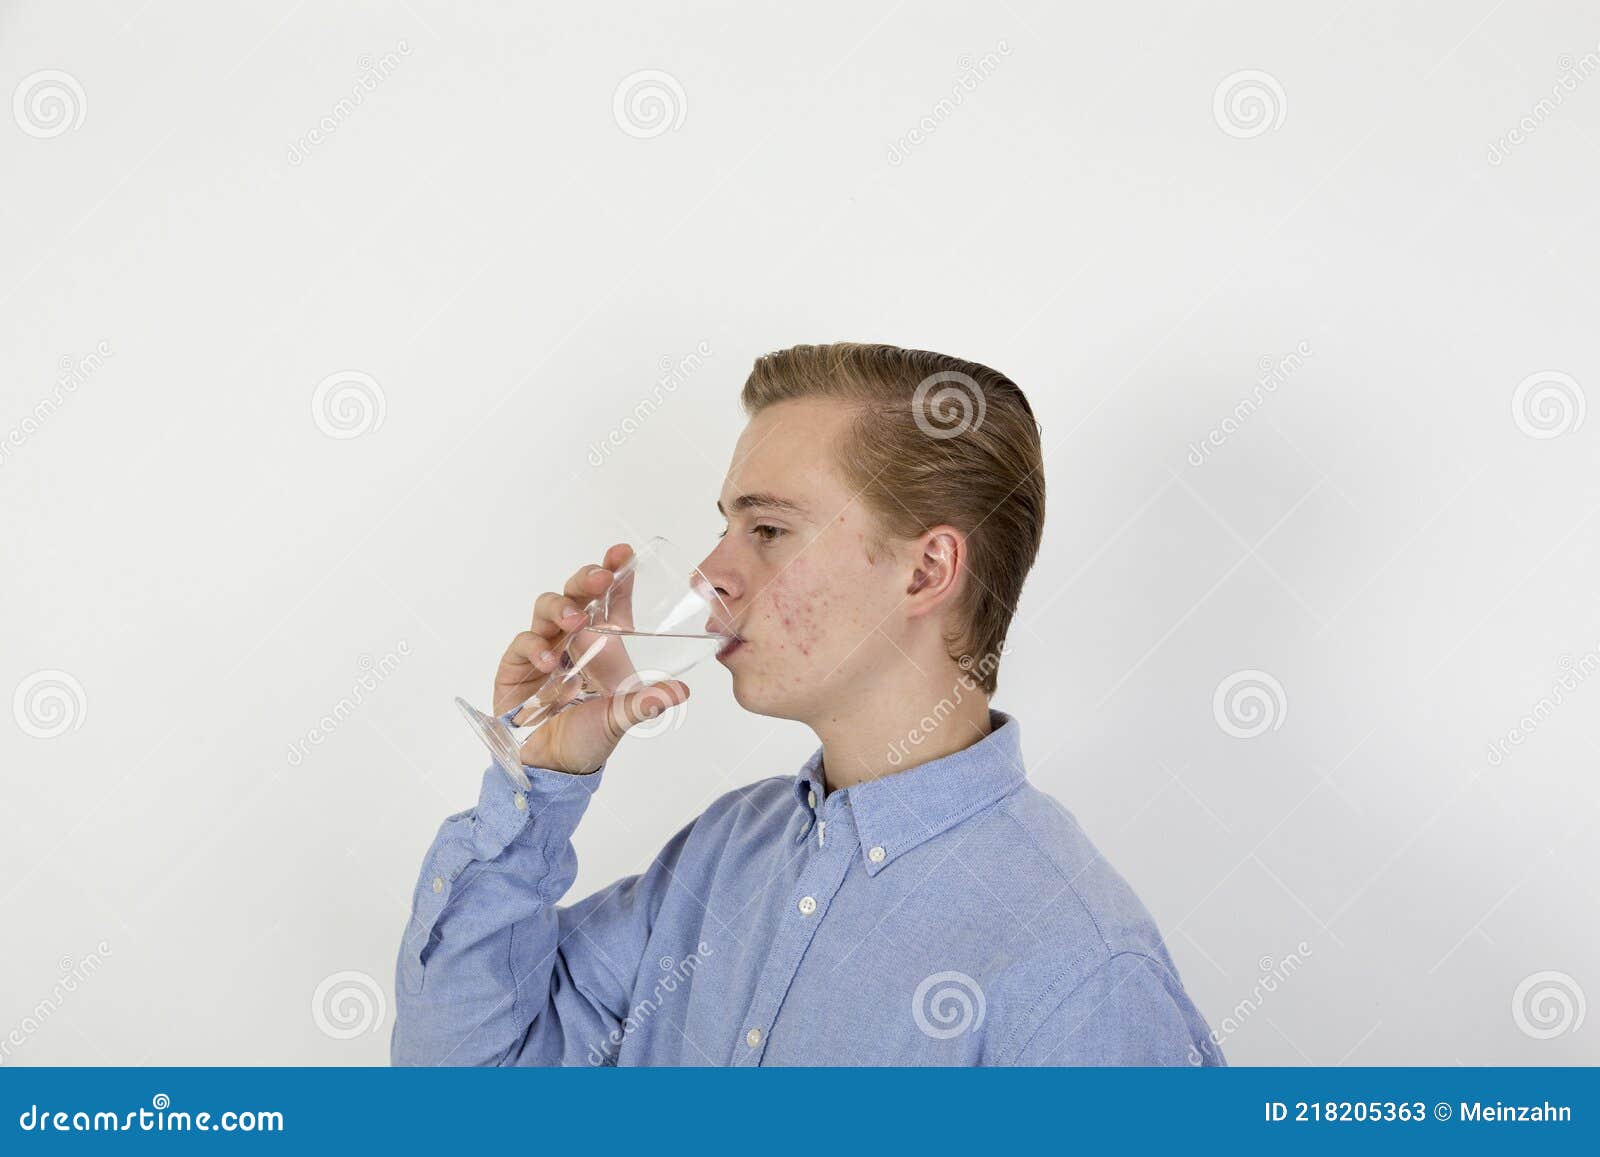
[761, 530]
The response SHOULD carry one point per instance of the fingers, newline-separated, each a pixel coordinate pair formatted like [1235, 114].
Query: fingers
[635, 707]
[538, 651]
[587, 582]
[554, 613]
[533, 650]
[527, 661]
[590, 581]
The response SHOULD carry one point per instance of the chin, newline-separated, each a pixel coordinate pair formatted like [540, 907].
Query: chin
[757, 698]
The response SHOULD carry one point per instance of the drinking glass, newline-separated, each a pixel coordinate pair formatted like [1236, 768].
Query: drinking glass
[658, 618]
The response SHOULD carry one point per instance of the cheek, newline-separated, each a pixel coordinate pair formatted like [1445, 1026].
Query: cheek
[796, 611]
[813, 611]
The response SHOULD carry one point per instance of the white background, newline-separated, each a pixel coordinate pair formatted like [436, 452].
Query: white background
[483, 237]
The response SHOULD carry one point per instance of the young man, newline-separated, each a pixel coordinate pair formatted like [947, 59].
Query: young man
[907, 897]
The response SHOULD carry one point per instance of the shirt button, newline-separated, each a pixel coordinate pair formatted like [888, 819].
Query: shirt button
[807, 905]
[811, 798]
[753, 1037]
[438, 883]
[876, 855]
[521, 802]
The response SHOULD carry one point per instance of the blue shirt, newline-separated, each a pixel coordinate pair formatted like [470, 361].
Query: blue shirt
[950, 914]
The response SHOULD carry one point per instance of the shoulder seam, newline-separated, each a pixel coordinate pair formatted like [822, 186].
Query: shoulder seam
[1038, 1020]
[1066, 970]
[1067, 881]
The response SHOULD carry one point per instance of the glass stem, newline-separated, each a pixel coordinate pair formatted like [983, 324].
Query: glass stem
[543, 705]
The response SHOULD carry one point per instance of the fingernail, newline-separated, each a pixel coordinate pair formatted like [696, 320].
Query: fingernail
[547, 656]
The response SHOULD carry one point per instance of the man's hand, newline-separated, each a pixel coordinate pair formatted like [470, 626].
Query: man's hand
[582, 737]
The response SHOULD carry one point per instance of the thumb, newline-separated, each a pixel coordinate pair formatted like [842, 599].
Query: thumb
[627, 710]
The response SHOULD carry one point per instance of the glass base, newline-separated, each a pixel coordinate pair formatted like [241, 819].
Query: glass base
[498, 738]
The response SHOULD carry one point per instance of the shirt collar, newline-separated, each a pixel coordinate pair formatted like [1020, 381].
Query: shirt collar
[897, 812]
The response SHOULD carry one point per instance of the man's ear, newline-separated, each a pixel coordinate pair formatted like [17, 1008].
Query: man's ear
[939, 558]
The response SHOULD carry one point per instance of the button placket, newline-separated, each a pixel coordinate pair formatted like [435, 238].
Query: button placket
[819, 881]
[808, 820]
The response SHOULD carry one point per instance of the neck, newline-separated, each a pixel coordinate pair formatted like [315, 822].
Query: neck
[886, 729]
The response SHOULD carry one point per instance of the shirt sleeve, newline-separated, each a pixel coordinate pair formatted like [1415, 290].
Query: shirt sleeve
[491, 971]
[1126, 1012]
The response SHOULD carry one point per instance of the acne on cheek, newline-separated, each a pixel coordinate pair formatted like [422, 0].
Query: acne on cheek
[800, 608]
[798, 612]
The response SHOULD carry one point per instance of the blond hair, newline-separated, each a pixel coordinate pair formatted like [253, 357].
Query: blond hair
[936, 441]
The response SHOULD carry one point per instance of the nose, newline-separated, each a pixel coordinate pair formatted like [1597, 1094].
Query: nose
[718, 567]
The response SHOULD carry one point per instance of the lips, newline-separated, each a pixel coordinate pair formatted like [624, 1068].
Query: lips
[729, 648]
[716, 626]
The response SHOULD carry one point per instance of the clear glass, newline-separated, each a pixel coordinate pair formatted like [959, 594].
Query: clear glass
[658, 618]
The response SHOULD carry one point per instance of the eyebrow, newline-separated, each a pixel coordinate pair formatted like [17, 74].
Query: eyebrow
[764, 501]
